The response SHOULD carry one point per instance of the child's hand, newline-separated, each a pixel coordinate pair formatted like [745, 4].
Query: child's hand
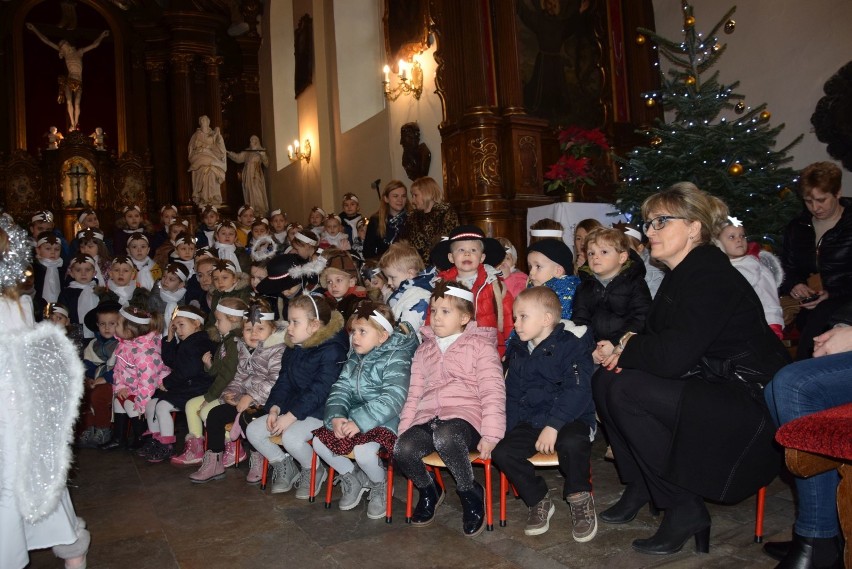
[546, 443]
[229, 399]
[123, 392]
[350, 429]
[207, 358]
[337, 426]
[172, 329]
[281, 424]
[485, 447]
[244, 403]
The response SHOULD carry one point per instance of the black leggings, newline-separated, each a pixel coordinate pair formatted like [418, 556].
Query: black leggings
[453, 439]
[220, 416]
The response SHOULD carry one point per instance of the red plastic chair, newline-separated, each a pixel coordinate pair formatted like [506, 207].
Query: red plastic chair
[383, 454]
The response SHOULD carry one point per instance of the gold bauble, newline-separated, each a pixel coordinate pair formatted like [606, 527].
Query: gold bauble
[716, 48]
[784, 192]
[690, 80]
[656, 141]
[730, 26]
[650, 102]
[689, 21]
[739, 108]
[735, 169]
[640, 39]
[764, 115]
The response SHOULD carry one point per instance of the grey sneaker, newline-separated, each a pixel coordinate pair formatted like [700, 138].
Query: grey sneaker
[354, 485]
[102, 435]
[303, 486]
[584, 522]
[538, 520]
[377, 507]
[284, 475]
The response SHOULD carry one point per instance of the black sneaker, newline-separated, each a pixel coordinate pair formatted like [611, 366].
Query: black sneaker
[160, 452]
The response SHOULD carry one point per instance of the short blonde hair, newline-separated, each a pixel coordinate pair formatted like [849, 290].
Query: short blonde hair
[402, 256]
[609, 236]
[544, 298]
[429, 188]
[685, 200]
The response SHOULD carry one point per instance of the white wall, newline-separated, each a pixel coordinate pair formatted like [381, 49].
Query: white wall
[782, 52]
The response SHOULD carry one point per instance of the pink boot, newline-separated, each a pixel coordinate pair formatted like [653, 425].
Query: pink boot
[193, 451]
[255, 472]
[211, 468]
[229, 458]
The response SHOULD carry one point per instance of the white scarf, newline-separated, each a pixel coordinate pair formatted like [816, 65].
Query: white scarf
[228, 252]
[51, 279]
[280, 237]
[123, 292]
[209, 235]
[87, 301]
[98, 274]
[190, 265]
[172, 299]
[144, 278]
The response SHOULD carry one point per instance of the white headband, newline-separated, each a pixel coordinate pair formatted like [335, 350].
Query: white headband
[383, 322]
[191, 315]
[42, 216]
[460, 293]
[88, 259]
[83, 215]
[546, 233]
[165, 207]
[132, 318]
[511, 251]
[630, 232]
[352, 197]
[231, 311]
[42, 241]
[267, 316]
[59, 310]
[275, 212]
[305, 239]
[314, 302]
[180, 274]
[320, 210]
[95, 234]
[734, 221]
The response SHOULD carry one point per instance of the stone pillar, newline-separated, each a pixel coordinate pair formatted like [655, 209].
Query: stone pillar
[213, 103]
[161, 133]
[184, 124]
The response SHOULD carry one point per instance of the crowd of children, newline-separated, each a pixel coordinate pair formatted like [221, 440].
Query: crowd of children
[261, 328]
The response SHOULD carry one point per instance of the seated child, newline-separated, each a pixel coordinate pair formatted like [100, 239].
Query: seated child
[375, 281]
[79, 294]
[88, 219]
[58, 314]
[259, 363]
[316, 220]
[515, 280]
[130, 224]
[139, 370]
[550, 261]
[333, 234]
[761, 269]
[469, 257]
[207, 227]
[227, 248]
[410, 282]
[362, 410]
[122, 279]
[228, 282]
[358, 241]
[654, 273]
[456, 404]
[549, 409]
[199, 286]
[91, 243]
[316, 350]
[284, 281]
[183, 351]
[184, 252]
[168, 215]
[43, 222]
[166, 295]
[305, 244]
[612, 298]
[48, 269]
[339, 278]
[99, 360]
[163, 253]
[580, 232]
[221, 365]
[351, 215]
[546, 229]
[147, 271]
[278, 227]
[245, 219]
[259, 229]
[292, 228]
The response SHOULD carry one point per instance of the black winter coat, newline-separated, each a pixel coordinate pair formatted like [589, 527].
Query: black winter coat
[619, 307]
[832, 259]
[188, 378]
[723, 443]
[551, 386]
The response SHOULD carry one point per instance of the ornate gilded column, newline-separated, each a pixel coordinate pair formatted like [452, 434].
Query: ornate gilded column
[184, 122]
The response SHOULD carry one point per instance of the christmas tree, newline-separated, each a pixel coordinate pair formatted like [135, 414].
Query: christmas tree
[730, 156]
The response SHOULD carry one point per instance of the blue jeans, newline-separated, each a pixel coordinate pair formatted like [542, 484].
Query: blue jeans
[802, 388]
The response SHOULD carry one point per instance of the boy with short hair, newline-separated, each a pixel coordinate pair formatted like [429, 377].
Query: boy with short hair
[549, 409]
[406, 275]
[613, 297]
[339, 278]
[551, 264]
[469, 257]
[350, 216]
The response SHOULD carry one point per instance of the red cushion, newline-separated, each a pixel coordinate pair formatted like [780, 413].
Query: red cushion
[828, 433]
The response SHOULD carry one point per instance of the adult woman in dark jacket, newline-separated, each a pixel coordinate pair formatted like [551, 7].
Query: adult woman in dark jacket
[681, 401]
[818, 241]
[431, 218]
[386, 225]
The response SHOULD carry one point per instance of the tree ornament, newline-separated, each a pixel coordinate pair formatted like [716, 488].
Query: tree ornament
[739, 108]
[784, 192]
[689, 21]
[735, 169]
[640, 39]
[656, 141]
[690, 80]
[764, 116]
[730, 26]
[650, 102]
[716, 47]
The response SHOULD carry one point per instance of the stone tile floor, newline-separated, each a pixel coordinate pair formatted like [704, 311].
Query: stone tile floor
[151, 516]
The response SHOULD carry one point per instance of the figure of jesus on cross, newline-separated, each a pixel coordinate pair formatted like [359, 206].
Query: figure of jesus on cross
[73, 84]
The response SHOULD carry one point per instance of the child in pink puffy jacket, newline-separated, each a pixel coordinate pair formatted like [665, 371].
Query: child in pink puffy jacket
[456, 404]
[139, 370]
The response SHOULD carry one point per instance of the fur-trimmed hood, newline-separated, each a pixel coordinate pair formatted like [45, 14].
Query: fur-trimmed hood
[278, 337]
[325, 333]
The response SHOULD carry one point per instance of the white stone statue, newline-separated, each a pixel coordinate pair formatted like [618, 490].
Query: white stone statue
[253, 158]
[98, 138]
[54, 137]
[72, 91]
[208, 163]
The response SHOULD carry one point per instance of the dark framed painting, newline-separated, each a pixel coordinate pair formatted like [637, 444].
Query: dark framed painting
[406, 29]
[562, 60]
[304, 51]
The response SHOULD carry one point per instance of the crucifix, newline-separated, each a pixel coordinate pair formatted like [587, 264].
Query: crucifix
[78, 173]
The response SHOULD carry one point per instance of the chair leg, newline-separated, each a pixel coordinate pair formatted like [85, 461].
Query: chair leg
[329, 488]
[389, 494]
[504, 484]
[311, 496]
[758, 521]
[237, 450]
[408, 497]
[263, 475]
[489, 505]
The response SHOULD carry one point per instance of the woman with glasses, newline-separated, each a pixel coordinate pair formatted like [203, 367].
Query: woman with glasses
[682, 400]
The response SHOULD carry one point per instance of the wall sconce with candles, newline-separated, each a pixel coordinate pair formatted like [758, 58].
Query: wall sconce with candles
[296, 153]
[410, 80]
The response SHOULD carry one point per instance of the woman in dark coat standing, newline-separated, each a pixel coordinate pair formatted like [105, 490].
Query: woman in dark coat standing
[386, 225]
[682, 400]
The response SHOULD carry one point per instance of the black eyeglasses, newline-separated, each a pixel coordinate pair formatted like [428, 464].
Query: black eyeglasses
[659, 222]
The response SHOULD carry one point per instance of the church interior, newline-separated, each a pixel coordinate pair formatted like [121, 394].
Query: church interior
[340, 97]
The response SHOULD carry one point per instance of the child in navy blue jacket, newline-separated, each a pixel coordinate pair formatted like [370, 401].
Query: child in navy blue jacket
[549, 409]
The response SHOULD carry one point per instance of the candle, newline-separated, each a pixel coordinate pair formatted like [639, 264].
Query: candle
[402, 70]
[290, 151]
[296, 145]
[386, 70]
